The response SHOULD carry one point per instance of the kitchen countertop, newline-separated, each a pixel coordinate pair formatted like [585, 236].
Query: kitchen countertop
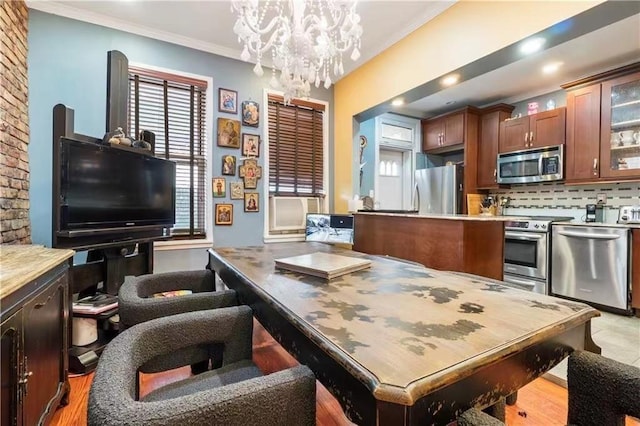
[447, 216]
[22, 264]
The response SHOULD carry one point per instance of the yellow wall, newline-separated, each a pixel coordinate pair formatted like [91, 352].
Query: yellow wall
[465, 32]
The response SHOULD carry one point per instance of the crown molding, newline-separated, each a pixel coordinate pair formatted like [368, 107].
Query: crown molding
[56, 8]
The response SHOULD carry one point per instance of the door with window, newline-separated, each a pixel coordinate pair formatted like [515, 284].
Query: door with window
[390, 179]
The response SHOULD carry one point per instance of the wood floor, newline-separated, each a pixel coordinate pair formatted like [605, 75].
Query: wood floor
[539, 403]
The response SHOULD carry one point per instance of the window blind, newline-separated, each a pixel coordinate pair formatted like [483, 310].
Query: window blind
[173, 107]
[296, 157]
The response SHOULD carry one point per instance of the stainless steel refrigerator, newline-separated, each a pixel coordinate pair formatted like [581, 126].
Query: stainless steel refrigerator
[439, 190]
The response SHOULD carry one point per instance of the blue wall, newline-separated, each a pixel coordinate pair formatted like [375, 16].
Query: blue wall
[67, 64]
[368, 130]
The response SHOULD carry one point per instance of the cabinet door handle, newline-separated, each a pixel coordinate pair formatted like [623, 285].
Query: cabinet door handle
[595, 167]
[531, 137]
[495, 175]
[526, 138]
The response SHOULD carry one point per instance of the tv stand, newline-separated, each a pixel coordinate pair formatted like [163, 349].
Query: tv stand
[107, 265]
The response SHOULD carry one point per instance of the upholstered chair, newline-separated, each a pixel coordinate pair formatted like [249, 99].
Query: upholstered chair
[139, 297]
[601, 393]
[235, 394]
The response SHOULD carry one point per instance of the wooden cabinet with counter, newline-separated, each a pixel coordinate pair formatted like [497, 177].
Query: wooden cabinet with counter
[545, 128]
[472, 244]
[490, 120]
[34, 329]
[603, 126]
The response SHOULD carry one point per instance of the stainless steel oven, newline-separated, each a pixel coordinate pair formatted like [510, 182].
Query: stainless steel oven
[527, 252]
[531, 165]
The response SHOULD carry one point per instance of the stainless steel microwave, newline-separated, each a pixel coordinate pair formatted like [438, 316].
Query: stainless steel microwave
[531, 165]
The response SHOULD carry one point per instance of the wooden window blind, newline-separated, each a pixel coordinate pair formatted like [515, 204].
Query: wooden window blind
[173, 107]
[296, 157]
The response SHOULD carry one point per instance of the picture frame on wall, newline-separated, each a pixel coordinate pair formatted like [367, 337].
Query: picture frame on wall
[236, 190]
[228, 133]
[229, 165]
[224, 214]
[250, 145]
[218, 186]
[227, 101]
[250, 114]
[251, 202]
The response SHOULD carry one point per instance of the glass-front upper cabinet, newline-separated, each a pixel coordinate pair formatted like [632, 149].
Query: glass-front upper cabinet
[620, 137]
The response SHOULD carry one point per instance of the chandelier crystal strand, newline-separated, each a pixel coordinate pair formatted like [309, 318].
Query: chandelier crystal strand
[306, 38]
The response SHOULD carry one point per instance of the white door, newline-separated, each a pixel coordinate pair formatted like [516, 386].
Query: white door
[390, 180]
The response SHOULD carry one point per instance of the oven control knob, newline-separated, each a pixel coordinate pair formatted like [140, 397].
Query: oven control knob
[536, 226]
[544, 226]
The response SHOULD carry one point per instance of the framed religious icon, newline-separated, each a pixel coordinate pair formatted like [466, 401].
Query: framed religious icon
[236, 189]
[229, 165]
[218, 187]
[227, 101]
[250, 172]
[228, 133]
[250, 114]
[250, 145]
[224, 214]
[251, 202]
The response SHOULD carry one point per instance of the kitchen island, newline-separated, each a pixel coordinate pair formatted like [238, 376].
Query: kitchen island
[463, 243]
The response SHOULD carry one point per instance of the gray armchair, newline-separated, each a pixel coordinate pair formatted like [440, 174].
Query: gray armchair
[136, 303]
[601, 393]
[235, 394]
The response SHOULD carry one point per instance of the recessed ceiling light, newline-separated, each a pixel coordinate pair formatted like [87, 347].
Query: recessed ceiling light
[397, 102]
[452, 79]
[532, 45]
[551, 68]
[450, 102]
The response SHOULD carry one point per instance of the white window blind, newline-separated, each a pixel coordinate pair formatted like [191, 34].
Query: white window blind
[173, 107]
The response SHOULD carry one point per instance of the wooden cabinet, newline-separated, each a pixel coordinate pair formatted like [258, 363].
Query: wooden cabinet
[424, 239]
[11, 332]
[489, 133]
[443, 132]
[583, 134]
[545, 128]
[35, 314]
[635, 270]
[620, 127]
[603, 126]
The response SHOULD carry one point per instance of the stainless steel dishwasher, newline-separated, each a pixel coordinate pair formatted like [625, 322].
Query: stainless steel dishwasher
[591, 264]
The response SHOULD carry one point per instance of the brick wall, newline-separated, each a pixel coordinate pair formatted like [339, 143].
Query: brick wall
[14, 124]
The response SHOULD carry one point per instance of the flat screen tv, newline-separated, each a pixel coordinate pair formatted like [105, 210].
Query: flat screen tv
[108, 190]
[329, 228]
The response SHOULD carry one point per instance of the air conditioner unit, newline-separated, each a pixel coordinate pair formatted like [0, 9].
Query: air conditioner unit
[290, 213]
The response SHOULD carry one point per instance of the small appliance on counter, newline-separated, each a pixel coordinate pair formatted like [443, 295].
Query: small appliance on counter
[595, 213]
[629, 214]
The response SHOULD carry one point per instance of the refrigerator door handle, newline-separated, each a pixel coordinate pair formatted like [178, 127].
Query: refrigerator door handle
[416, 198]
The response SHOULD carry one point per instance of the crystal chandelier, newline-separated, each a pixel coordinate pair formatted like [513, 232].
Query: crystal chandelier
[306, 38]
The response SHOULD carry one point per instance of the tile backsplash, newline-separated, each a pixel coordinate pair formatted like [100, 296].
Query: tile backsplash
[556, 198]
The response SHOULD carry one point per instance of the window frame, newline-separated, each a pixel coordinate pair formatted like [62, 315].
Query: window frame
[207, 242]
[273, 238]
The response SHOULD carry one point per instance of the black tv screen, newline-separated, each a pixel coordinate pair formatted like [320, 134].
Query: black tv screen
[103, 187]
